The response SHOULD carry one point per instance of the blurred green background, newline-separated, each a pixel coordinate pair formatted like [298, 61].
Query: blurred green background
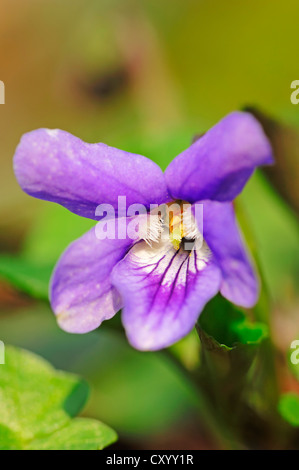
[144, 76]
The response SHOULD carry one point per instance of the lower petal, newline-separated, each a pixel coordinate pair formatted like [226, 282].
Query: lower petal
[163, 291]
[81, 292]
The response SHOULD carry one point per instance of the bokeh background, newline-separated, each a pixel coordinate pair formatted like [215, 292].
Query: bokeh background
[145, 76]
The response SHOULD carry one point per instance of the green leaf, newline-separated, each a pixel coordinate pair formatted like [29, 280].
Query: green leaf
[94, 434]
[37, 404]
[228, 324]
[230, 344]
[288, 407]
[136, 393]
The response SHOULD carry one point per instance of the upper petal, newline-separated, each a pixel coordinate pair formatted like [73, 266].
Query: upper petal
[81, 293]
[218, 165]
[56, 166]
[164, 291]
[220, 230]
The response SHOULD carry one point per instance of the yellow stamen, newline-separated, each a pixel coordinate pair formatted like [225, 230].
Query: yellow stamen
[176, 226]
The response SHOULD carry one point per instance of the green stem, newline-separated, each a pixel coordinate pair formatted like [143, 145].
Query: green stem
[213, 421]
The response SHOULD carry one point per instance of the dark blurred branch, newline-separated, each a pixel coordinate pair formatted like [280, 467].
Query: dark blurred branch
[284, 175]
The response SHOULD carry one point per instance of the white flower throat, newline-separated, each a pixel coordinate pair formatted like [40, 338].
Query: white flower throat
[171, 244]
[175, 223]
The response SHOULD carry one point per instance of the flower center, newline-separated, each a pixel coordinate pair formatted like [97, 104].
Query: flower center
[173, 222]
[178, 223]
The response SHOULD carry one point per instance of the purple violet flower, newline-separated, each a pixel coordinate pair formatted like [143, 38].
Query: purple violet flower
[161, 286]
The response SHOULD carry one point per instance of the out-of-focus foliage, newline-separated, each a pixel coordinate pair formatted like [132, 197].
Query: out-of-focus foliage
[139, 393]
[27, 276]
[38, 405]
[289, 408]
[274, 234]
[146, 77]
